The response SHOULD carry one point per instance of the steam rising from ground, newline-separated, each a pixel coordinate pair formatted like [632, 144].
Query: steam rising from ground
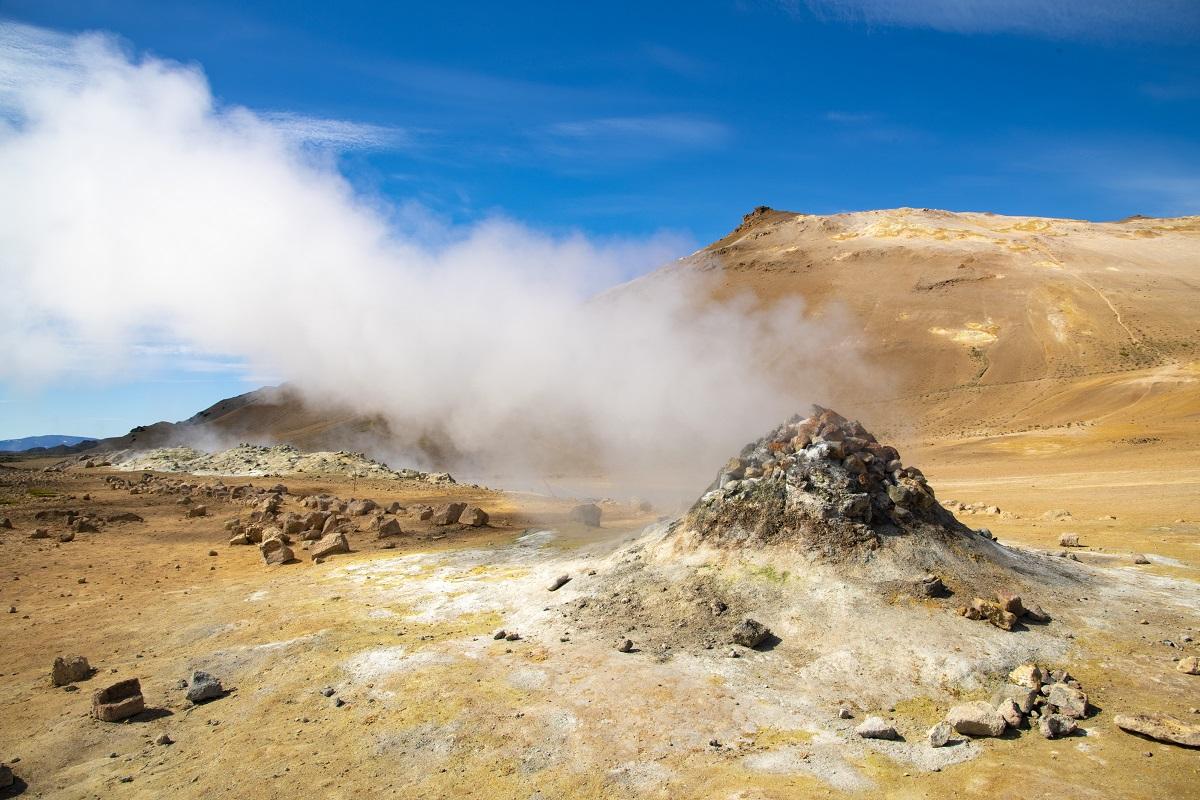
[135, 208]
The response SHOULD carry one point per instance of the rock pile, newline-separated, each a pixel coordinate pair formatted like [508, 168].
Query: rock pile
[823, 483]
[1051, 700]
[257, 460]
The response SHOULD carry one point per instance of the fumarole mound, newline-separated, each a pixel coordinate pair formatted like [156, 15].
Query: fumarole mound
[822, 484]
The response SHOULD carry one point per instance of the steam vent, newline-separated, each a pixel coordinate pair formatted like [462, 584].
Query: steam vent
[823, 484]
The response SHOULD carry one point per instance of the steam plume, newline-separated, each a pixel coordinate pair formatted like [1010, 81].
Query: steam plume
[135, 208]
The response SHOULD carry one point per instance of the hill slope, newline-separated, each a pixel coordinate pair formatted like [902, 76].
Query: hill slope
[986, 325]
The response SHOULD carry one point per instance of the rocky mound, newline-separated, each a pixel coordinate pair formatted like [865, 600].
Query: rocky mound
[823, 484]
[258, 460]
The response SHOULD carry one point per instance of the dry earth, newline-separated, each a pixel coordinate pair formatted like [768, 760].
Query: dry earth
[435, 707]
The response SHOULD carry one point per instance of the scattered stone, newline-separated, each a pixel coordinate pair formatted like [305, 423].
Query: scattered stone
[274, 551]
[164, 739]
[474, 516]
[360, 508]
[449, 513]
[1056, 726]
[1070, 701]
[1160, 728]
[588, 514]
[976, 719]
[204, 687]
[512, 636]
[1139, 558]
[559, 582]
[1028, 675]
[329, 545]
[119, 701]
[750, 633]
[1010, 602]
[844, 712]
[939, 734]
[40, 533]
[981, 609]
[328, 691]
[6, 523]
[876, 728]
[1069, 540]
[7, 778]
[390, 527]
[1025, 699]
[69, 536]
[1009, 710]
[626, 646]
[69, 670]
[1035, 613]
[124, 516]
[198, 511]
[931, 586]
[1189, 665]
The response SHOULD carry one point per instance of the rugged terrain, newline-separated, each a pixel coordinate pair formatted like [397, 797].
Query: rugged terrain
[383, 670]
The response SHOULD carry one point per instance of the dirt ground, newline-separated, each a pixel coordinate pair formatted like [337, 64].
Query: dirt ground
[432, 706]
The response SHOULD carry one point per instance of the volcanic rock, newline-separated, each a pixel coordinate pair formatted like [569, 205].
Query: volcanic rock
[119, 701]
[449, 513]
[204, 687]
[389, 527]
[939, 734]
[69, 669]
[1055, 726]
[1070, 701]
[329, 545]
[823, 483]
[976, 719]
[876, 728]
[474, 516]
[750, 633]
[275, 551]
[1161, 728]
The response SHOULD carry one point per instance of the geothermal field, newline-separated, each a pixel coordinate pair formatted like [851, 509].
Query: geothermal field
[738, 400]
[975, 573]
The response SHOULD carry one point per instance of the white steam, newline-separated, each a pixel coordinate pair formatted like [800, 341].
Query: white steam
[133, 207]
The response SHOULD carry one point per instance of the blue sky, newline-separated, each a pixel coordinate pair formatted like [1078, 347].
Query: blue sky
[625, 119]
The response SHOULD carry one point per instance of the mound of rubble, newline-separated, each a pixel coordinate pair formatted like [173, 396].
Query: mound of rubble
[823, 484]
[258, 460]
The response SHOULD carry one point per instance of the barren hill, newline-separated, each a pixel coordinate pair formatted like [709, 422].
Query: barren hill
[986, 325]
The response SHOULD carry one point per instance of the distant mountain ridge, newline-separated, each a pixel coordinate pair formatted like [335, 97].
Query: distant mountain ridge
[47, 440]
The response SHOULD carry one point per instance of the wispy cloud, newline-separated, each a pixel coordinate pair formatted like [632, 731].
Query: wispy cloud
[1058, 19]
[677, 130]
[1170, 92]
[871, 127]
[32, 57]
[337, 134]
[849, 117]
